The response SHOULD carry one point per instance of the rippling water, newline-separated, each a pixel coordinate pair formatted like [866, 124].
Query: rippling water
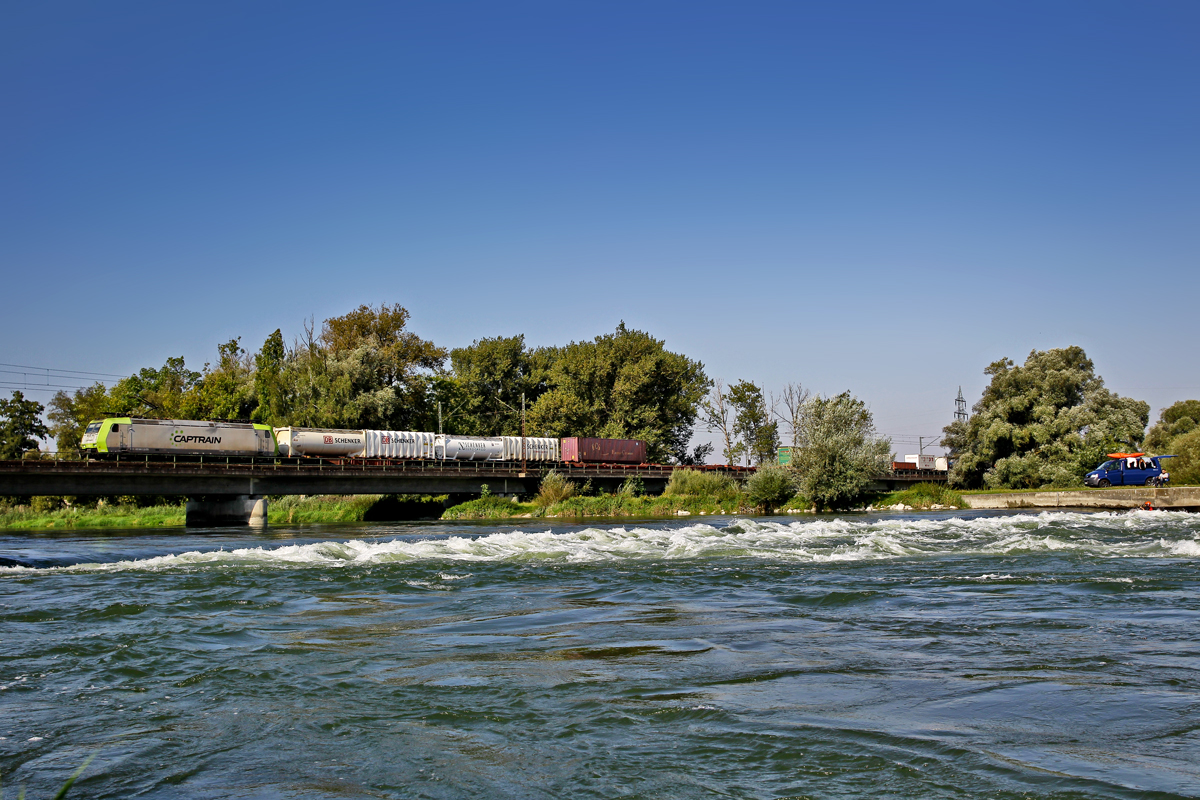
[970, 655]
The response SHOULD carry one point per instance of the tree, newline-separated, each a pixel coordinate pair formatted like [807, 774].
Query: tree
[698, 455]
[491, 376]
[1185, 467]
[1174, 420]
[154, 393]
[270, 390]
[225, 391]
[716, 414]
[838, 455]
[758, 436]
[789, 409]
[70, 414]
[1042, 424]
[363, 371]
[20, 426]
[622, 385]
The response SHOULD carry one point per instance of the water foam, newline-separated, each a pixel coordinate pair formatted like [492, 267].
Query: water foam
[1146, 534]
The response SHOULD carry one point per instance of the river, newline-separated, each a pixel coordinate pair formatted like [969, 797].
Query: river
[937, 655]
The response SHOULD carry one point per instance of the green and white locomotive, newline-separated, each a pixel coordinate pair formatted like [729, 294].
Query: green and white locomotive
[182, 436]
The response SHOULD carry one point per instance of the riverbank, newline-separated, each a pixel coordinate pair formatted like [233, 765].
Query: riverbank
[291, 510]
[718, 499]
[1179, 498]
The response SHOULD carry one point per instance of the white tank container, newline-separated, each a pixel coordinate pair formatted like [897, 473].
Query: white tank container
[319, 442]
[942, 463]
[537, 448]
[468, 448]
[398, 444]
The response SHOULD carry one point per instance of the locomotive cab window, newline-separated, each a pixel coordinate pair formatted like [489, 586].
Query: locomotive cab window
[93, 428]
[116, 427]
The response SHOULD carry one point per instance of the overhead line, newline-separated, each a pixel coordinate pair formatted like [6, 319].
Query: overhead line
[55, 369]
[37, 386]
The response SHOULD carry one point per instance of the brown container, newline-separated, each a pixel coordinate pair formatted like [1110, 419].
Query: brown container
[900, 466]
[620, 451]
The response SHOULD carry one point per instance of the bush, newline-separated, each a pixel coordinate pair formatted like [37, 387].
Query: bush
[924, 495]
[44, 504]
[1185, 467]
[699, 484]
[554, 489]
[770, 486]
[489, 506]
[632, 487]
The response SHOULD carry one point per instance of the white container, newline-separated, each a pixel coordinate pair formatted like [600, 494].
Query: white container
[468, 448]
[922, 462]
[941, 463]
[398, 444]
[537, 448]
[319, 442]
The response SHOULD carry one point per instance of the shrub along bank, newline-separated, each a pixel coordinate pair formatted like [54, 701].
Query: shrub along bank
[58, 512]
[923, 496]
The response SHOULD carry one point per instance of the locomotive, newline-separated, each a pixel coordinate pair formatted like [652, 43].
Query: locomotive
[117, 435]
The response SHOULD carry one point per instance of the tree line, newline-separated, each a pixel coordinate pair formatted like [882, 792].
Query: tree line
[1044, 423]
[366, 369]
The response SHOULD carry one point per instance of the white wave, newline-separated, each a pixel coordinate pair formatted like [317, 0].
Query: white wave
[1158, 534]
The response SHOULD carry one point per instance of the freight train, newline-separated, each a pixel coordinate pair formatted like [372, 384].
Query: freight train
[116, 435]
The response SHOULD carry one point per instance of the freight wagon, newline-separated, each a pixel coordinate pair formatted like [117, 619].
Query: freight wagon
[618, 451]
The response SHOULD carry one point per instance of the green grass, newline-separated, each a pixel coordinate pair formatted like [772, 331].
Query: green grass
[490, 507]
[923, 496]
[105, 516]
[624, 505]
[289, 510]
[313, 509]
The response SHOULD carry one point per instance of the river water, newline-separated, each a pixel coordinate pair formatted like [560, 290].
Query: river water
[956, 655]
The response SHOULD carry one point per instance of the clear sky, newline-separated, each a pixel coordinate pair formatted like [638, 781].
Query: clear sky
[875, 196]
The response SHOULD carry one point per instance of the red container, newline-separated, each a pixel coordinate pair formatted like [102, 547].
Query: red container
[900, 466]
[621, 451]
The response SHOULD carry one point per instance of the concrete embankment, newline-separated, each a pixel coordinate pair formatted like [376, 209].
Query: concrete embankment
[1182, 498]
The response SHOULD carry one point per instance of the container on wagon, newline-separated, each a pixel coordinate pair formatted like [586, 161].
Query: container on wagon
[537, 448]
[922, 462]
[398, 444]
[319, 442]
[468, 448]
[590, 450]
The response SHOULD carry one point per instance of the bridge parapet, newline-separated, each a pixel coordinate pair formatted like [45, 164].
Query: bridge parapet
[230, 477]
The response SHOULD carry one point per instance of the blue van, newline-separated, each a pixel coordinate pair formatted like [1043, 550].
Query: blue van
[1129, 469]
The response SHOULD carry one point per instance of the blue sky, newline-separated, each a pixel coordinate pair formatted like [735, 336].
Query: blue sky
[874, 196]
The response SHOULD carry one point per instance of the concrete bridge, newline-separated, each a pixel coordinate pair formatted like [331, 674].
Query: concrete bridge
[223, 490]
[235, 490]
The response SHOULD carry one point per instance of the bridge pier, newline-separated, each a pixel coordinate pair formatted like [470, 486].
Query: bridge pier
[240, 510]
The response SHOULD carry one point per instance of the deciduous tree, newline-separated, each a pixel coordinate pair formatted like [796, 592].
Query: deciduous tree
[625, 384]
[757, 434]
[20, 426]
[1045, 423]
[838, 453]
[1174, 420]
[70, 414]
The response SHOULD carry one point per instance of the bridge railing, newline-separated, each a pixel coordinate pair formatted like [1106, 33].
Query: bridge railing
[244, 464]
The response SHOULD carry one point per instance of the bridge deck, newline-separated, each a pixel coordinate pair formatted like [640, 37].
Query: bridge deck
[196, 476]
